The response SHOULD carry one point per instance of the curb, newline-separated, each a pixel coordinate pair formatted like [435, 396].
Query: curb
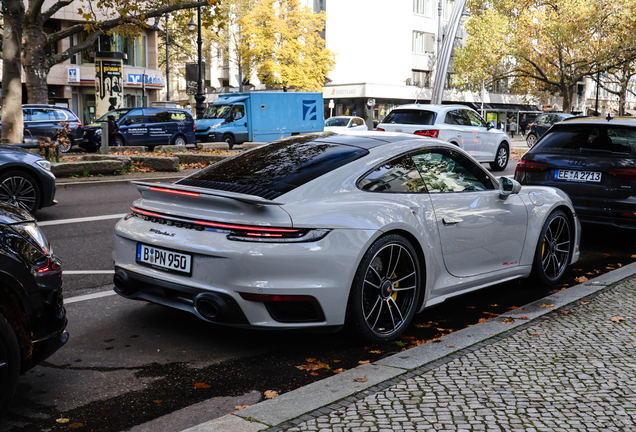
[296, 406]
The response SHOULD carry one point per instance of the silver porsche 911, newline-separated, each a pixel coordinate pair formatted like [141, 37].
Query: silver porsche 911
[317, 230]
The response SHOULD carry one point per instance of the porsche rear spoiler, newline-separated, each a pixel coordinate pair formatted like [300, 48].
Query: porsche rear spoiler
[187, 190]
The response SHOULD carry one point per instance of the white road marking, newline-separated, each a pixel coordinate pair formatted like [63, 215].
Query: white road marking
[79, 220]
[87, 272]
[89, 297]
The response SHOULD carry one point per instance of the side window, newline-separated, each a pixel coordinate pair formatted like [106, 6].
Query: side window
[475, 119]
[456, 117]
[238, 112]
[60, 115]
[445, 170]
[543, 120]
[158, 116]
[41, 114]
[134, 117]
[395, 176]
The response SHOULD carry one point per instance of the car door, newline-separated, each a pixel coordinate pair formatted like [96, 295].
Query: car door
[486, 140]
[479, 231]
[238, 122]
[459, 125]
[133, 128]
[160, 128]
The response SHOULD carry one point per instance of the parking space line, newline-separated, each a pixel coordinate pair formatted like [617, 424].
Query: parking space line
[79, 220]
[89, 297]
[87, 272]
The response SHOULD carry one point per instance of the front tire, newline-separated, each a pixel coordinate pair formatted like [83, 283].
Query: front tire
[553, 249]
[229, 139]
[9, 364]
[531, 140]
[386, 289]
[21, 190]
[501, 158]
[119, 141]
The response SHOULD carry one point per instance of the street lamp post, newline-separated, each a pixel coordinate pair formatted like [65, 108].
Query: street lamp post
[199, 96]
[167, 62]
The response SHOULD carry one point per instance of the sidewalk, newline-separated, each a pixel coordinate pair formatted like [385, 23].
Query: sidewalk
[566, 363]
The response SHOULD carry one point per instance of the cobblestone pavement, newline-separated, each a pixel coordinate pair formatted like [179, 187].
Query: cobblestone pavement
[571, 370]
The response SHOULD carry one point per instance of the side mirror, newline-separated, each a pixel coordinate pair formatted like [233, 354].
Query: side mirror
[508, 186]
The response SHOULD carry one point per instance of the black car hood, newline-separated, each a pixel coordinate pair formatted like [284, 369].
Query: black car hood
[10, 214]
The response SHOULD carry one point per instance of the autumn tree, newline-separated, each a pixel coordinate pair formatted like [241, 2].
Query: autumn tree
[101, 17]
[285, 43]
[539, 47]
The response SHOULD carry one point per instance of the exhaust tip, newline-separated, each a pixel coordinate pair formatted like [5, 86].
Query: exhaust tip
[211, 306]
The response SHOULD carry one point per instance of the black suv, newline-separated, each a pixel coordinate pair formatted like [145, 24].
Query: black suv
[43, 121]
[32, 315]
[541, 124]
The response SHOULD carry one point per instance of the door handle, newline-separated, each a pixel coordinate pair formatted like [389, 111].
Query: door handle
[452, 221]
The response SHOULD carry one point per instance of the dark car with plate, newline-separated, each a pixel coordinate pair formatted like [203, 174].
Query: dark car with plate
[148, 127]
[593, 160]
[44, 121]
[541, 124]
[32, 315]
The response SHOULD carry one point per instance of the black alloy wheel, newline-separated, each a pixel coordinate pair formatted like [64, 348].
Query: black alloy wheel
[553, 249]
[21, 190]
[9, 364]
[386, 290]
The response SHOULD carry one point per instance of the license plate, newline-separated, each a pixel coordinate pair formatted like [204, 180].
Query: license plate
[578, 176]
[163, 259]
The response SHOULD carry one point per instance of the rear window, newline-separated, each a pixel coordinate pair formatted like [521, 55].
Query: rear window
[277, 168]
[577, 139]
[407, 116]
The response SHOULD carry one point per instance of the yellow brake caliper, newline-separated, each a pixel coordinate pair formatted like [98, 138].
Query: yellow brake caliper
[394, 295]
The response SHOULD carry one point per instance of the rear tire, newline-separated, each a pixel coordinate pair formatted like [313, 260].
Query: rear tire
[9, 364]
[65, 148]
[531, 140]
[386, 289]
[179, 141]
[552, 255]
[21, 190]
[501, 158]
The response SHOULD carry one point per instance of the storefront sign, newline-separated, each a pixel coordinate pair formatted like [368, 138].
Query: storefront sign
[136, 79]
[74, 75]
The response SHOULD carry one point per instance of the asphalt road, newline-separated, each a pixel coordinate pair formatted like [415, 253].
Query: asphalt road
[132, 363]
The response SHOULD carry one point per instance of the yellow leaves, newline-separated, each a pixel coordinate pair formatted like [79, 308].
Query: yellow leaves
[313, 365]
[508, 320]
[62, 420]
[364, 362]
[270, 394]
[240, 407]
[551, 306]
[339, 370]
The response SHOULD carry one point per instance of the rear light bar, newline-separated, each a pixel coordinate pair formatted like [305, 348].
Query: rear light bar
[433, 133]
[237, 232]
[176, 192]
[624, 173]
[527, 166]
[277, 298]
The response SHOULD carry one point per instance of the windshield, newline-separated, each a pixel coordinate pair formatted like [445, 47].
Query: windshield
[410, 116]
[118, 113]
[217, 111]
[335, 121]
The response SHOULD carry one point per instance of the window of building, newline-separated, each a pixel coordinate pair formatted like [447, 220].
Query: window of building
[135, 48]
[449, 5]
[424, 7]
[421, 78]
[423, 42]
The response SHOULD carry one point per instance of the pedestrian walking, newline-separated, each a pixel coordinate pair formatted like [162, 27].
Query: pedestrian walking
[499, 124]
[523, 124]
[112, 129]
[513, 128]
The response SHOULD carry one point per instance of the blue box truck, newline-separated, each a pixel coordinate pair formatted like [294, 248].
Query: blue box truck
[260, 117]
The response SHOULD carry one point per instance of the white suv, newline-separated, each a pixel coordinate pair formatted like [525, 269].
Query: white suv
[456, 124]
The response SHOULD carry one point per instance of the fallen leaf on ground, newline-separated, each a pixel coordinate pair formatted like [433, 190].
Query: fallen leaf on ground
[490, 313]
[340, 370]
[513, 307]
[361, 380]
[376, 352]
[270, 394]
[75, 425]
[314, 374]
[546, 305]
[450, 346]
[62, 420]
[494, 305]
[584, 303]
[201, 385]
[364, 361]
[617, 319]
[157, 401]
[481, 320]
[313, 365]
[535, 334]
[403, 337]
[336, 361]
[471, 307]
[565, 312]
[581, 279]
[508, 320]
[436, 340]
[240, 407]
[524, 317]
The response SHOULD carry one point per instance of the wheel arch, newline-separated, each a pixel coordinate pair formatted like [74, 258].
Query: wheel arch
[13, 309]
[571, 219]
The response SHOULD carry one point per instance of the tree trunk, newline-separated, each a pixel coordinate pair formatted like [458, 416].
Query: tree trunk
[35, 61]
[12, 120]
[622, 94]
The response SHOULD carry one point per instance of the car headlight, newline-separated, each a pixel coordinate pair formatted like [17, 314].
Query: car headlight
[215, 126]
[98, 132]
[44, 164]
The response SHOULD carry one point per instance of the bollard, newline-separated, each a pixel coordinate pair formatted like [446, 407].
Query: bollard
[104, 146]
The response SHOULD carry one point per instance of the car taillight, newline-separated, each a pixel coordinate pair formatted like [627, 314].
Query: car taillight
[79, 124]
[527, 166]
[194, 128]
[624, 173]
[433, 133]
[380, 129]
